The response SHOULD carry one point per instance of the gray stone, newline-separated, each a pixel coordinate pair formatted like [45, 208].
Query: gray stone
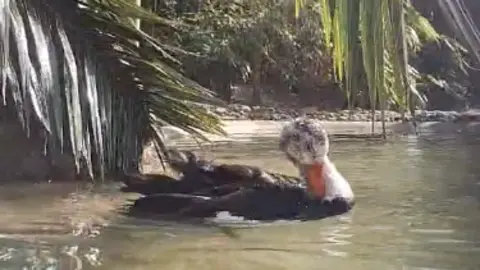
[221, 110]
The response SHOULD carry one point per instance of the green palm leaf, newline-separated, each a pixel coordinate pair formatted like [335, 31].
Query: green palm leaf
[76, 69]
[384, 31]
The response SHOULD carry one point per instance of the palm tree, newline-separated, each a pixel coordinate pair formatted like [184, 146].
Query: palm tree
[76, 68]
[460, 19]
[384, 31]
[379, 34]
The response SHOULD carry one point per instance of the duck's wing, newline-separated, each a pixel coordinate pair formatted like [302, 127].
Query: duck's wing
[265, 204]
[247, 176]
[254, 203]
[192, 166]
[201, 177]
[222, 180]
[165, 204]
[148, 184]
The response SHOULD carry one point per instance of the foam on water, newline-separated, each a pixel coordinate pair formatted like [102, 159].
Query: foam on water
[225, 218]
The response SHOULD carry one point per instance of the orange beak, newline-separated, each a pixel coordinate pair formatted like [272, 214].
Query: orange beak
[315, 180]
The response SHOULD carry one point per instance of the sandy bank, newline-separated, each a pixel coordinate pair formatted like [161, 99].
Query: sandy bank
[247, 130]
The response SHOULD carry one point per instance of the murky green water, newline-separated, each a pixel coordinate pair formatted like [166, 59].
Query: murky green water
[417, 208]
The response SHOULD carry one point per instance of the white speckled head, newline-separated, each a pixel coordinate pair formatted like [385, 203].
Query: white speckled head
[304, 141]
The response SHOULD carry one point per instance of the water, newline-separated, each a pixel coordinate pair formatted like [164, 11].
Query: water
[417, 208]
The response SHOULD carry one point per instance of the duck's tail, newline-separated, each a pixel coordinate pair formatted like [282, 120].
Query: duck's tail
[147, 184]
[182, 161]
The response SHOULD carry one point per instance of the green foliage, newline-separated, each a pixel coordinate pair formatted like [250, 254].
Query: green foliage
[449, 63]
[380, 30]
[100, 86]
[295, 42]
[232, 40]
[97, 84]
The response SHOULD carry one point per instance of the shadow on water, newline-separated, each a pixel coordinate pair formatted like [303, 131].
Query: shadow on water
[417, 208]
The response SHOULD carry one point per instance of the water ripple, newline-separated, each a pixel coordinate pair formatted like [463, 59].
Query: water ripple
[417, 208]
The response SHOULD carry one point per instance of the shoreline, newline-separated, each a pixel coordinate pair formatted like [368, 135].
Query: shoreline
[248, 130]
[241, 129]
[254, 131]
[279, 113]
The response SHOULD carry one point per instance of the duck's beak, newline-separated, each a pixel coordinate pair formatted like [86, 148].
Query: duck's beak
[316, 180]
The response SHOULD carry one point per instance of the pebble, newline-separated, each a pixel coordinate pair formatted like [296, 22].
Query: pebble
[245, 112]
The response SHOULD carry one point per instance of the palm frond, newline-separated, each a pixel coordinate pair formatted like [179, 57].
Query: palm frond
[77, 69]
[460, 18]
[384, 31]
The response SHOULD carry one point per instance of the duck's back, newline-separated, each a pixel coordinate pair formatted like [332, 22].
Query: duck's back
[206, 188]
[201, 177]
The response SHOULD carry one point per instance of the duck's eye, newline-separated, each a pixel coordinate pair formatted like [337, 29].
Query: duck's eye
[295, 137]
[320, 138]
[310, 147]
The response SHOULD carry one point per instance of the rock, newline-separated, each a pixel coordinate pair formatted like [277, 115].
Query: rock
[356, 117]
[245, 108]
[468, 116]
[277, 117]
[240, 111]
[221, 110]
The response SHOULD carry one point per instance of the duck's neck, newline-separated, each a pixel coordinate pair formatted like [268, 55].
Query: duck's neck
[336, 186]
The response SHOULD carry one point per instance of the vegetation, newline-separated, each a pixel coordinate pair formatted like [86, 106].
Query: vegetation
[460, 70]
[294, 50]
[77, 68]
[389, 38]
[100, 76]
[234, 43]
[309, 45]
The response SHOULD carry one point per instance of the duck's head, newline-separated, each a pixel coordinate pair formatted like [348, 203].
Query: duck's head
[305, 143]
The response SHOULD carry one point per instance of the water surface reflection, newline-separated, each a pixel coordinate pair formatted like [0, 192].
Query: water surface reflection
[417, 208]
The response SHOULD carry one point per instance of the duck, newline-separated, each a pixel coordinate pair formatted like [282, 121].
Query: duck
[204, 188]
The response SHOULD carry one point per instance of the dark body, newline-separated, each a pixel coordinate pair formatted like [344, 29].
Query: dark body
[206, 188]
